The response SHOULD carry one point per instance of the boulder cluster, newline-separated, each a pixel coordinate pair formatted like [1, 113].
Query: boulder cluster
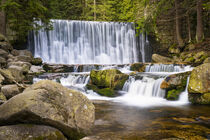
[42, 111]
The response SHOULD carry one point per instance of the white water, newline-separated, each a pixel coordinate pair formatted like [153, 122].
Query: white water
[79, 81]
[87, 42]
[183, 98]
[167, 68]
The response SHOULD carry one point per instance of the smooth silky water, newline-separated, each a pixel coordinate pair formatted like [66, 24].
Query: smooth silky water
[140, 112]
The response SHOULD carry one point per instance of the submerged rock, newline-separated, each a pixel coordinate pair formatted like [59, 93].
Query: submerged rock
[174, 85]
[199, 89]
[30, 132]
[160, 59]
[49, 103]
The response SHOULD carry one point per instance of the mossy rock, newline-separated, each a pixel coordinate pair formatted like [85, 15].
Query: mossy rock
[103, 92]
[36, 61]
[199, 98]
[175, 81]
[199, 89]
[189, 59]
[140, 67]
[113, 79]
[173, 94]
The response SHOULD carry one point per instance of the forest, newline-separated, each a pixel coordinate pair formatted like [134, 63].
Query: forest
[188, 18]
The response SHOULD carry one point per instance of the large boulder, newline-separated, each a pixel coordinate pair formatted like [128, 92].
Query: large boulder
[199, 89]
[106, 81]
[49, 103]
[160, 59]
[174, 85]
[10, 90]
[30, 132]
[111, 78]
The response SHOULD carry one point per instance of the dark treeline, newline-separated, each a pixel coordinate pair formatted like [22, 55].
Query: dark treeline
[189, 18]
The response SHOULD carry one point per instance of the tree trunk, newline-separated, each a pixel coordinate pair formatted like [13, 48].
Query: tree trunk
[199, 30]
[2, 21]
[178, 33]
[94, 10]
[189, 28]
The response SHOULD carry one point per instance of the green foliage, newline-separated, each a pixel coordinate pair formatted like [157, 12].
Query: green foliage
[22, 16]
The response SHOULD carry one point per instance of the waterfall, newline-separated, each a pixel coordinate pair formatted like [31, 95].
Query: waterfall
[183, 97]
[147, 87]
[88, 42]
[75, 80]
[167, 68]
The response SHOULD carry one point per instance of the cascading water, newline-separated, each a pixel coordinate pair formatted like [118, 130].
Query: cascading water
[147, 87]
[87, 42]
[75, 80]
[167, 68]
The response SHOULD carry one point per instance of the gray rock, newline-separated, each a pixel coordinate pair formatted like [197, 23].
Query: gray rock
[36, 70]
[10, 90]
[160, 59]
[49, 103]
[30, 132]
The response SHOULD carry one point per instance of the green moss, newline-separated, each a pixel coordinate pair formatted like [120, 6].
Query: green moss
[190, 59]
[173, 94]
[112, 79]
[104, 92]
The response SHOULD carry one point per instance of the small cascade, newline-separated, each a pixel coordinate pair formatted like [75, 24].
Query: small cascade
[184, 95]
[147, 87]
[88, 42]
[75, 80]
[167, 68]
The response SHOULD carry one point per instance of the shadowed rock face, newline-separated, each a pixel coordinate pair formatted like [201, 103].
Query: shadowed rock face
[49, 103]
[30, 132]
[199, 89]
